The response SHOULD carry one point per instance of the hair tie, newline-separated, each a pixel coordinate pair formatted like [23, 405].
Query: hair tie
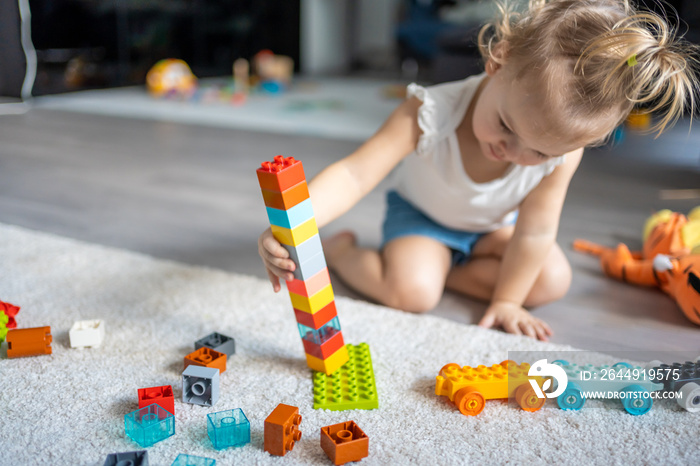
[631, 61]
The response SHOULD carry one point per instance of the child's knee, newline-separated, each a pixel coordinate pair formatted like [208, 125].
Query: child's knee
[412, 296]
[552, 284]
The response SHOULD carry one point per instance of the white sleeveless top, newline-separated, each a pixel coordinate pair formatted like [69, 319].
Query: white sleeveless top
[433, 178]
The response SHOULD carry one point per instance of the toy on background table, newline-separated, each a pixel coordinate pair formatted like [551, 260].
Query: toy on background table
[631, 383]
[670, 259]
[228, 428]
[130, 458]
[29, 342]
[286, 196]
[469, 387]
[148, 426]
[171, 78]
[344, 442]
[274, 72]
[87, 334]
[282, 430]
[353, 386]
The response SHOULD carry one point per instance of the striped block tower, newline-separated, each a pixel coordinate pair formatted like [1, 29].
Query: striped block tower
[293, 224]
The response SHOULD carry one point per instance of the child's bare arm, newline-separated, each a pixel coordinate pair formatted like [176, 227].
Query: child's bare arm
[523, 259]
[341, 185]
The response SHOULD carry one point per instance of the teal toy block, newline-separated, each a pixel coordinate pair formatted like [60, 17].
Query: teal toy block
[309, 267]
[306, 250]
[351, 387]
[190, 460]
[321, 335]
[200, 385]
[292, 217]
[131, 458]
[149, 425]
[229, 428]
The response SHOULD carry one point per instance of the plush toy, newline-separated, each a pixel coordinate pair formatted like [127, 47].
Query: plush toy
[171, 77]
[670, 259]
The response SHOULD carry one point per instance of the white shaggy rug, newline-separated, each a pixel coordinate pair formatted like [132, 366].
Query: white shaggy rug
[68, 408]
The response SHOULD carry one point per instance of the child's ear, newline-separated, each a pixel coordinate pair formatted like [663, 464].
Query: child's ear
[499, 53]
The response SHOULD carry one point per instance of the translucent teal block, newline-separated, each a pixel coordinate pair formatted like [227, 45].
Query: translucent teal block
[189, 460]
[228, 428]
[321, 335]
[149, 425]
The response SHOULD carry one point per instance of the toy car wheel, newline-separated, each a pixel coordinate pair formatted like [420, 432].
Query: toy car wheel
[469, 401]
[690, 397]
[527, 399]
[571, 399]
[560, 362]
[637, 400]
[620, 365]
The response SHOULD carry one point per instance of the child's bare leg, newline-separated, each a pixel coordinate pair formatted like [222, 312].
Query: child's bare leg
[477, 278]
[408, 274]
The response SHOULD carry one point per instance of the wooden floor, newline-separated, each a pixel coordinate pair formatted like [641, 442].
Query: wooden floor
[189, 193]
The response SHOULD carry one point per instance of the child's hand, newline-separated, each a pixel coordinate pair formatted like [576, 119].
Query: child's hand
[515, 319]
[276, 259]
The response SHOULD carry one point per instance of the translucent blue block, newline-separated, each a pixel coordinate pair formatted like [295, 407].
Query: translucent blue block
[189, 460]
[131, 458]
[228, 428]
[321, 335]
[149, 425]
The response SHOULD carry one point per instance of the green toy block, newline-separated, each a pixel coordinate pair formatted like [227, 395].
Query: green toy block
[350, 387]
[3, 326]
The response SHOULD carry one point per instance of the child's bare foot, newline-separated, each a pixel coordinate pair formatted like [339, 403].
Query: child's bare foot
[337, 245]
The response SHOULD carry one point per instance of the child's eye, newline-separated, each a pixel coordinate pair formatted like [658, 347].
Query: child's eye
[503, 125]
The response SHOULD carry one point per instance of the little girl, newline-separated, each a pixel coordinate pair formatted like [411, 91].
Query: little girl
[483, 164]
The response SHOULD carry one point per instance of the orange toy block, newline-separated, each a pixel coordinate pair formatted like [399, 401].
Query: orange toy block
[29, 342]
[280, 174]
[207, 357]
[317, 319]
[311, 286]
[282, 429]
[332, 342]
[344, 442]
[286, 199]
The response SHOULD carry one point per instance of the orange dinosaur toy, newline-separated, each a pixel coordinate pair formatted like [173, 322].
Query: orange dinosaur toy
[670, 259]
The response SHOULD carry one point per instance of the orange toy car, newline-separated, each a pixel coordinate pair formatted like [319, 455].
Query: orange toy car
[670, 259]
[469, 387]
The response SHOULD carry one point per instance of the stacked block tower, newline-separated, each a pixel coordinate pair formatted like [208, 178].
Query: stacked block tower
[293, 224]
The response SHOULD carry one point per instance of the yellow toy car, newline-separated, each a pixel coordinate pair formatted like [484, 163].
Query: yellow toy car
[171, 77]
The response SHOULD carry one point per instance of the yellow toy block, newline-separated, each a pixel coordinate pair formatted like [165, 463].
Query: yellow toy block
[468, 387]
[331, 363]
[296, 235]
[315, 302]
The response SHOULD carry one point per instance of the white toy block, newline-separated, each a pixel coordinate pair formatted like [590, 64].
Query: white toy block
[87, 333]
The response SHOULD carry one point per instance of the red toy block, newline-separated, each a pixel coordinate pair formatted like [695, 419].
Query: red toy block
[207, 357]
[331, 344]
[28, 342]
[317, 319]
[10, 311]
[280, 174]
[310, 286]
[163, 396]
[282, 429]
[344, 442]
[288, 198]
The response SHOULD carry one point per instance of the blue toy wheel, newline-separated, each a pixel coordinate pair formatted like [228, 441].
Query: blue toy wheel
[571, 399]
[637, 400]
[622, 364]
[561, 362]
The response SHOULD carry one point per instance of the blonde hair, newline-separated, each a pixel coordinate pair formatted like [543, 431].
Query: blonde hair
[603, 56]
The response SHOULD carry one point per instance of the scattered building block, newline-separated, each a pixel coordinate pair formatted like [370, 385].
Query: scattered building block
[10, 310]
[200, 385]
[344, 442]
[149, 425]
[130, 458]
[229, 428]
[29, 342]
[87, 333]
[351, 387]
[190, 460]
[282, 429]
[217, 342]
[207, 357]
[162, 396]
[317, 319]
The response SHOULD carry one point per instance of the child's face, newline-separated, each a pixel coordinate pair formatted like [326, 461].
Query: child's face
[511, 123]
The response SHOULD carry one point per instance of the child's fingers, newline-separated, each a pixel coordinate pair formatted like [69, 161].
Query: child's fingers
[270, 244]
[528, 329]
[541, 332]
[274, 280]
[511, 326]
[487, 321]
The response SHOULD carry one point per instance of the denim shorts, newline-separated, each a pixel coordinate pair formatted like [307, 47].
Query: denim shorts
[402, 219]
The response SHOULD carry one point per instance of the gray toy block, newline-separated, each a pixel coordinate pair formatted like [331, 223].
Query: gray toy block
[217, 342]
[132, 458]
[200, 385]
[306, 250]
